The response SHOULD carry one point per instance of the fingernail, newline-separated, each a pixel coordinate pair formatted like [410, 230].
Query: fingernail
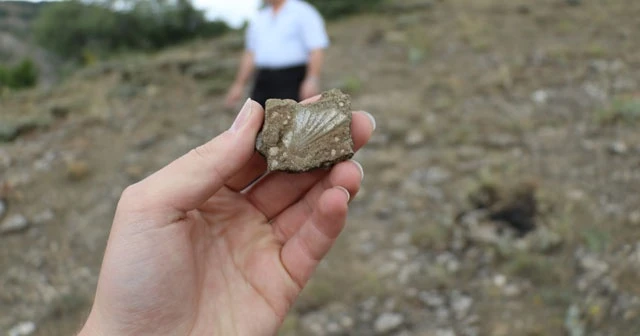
[359, 167]
[373, 120]
[243, 116]
[345, 191]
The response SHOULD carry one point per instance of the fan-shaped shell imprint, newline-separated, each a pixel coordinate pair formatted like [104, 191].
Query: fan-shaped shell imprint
[299, 138]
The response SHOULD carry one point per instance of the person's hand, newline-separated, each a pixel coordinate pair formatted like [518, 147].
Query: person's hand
[197, 249]
[233, 95]
[309, 88]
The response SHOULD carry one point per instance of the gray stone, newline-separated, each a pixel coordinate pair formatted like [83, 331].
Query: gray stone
[298, 138]
[44, 216]
[313, 323]
[540, 97]
[22, 329]
[574, 323]
[3, 208]
[618, 147]
[431, 299]
[445, 332]
[388, 322]
[414, 138]
[461, 304]
[14, 224]
[433, 175]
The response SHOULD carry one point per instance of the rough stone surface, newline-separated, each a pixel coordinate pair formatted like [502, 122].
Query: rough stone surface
[388, 322]
[15, 223]
[298, 138]
[22, 329]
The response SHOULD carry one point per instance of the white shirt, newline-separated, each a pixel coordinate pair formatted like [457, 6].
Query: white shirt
[287, 37]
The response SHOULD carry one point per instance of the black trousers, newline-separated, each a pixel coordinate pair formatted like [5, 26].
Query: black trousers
[281, 83]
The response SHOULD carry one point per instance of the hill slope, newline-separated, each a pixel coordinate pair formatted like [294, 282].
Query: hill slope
[481, 106]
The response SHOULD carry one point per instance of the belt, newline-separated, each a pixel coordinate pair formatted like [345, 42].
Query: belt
[280, 69]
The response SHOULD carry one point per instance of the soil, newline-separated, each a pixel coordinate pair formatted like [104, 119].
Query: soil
[469, 96]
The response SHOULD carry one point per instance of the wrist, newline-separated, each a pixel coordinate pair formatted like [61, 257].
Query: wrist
[312, 78]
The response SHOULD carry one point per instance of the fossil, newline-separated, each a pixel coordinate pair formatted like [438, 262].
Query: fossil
[298, 138]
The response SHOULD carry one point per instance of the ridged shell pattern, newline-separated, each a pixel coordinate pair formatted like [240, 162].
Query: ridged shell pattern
[310, 127]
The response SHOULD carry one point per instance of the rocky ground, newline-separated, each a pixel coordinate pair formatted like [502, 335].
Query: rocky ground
[501, 191]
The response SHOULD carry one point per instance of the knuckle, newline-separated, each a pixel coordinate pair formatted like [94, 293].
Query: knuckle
[134, 192]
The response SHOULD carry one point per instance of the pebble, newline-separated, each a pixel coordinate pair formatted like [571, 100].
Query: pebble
[414, 138]
[77, 170]
[369, 304]
[402, 239]
[512, 290]
[14, 224]
[618, 147]
[22, 329]
[388, 322]
[574, 324]
[3, 209]
[312, 323]
[44, 216]
[540, 96]
[387, 268]
[445, 332]
[431, 299]
[407, 272]
[634, 217]
[461, 304]
[500, 280]
[593, 265]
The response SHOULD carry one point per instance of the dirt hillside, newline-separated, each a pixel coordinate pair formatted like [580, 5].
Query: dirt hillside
[502, 186]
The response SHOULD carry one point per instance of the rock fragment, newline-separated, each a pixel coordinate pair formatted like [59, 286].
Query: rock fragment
[388, 322]
[297, 138]
[14, 224]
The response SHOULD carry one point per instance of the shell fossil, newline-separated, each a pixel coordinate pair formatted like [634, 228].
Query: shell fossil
[299, 138]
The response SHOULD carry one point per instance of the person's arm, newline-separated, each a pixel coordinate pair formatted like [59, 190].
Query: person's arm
[314, 67]
[316, 40]
[245, 70]
[311, 84]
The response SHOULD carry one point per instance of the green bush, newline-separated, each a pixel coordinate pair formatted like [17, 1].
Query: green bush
[73, 28]
[333, 9]
[20, 76]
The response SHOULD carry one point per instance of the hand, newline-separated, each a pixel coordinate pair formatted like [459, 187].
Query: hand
[233, 96]
[191, 252]
[309, 88]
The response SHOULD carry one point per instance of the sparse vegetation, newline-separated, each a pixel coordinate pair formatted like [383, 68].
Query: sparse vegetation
[350, 84]
[623, 109]
[537, 268]
[20, 76]
[337, 9]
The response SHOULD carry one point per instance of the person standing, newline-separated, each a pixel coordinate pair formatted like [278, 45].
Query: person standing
[285, 46]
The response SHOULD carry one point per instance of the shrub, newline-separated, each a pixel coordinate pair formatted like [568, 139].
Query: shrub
[20, 76]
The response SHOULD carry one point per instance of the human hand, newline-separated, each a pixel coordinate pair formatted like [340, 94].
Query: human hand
[309, 88]
[194, 250]
[233, 95]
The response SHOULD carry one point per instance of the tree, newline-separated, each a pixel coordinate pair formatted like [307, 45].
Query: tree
[72, 28]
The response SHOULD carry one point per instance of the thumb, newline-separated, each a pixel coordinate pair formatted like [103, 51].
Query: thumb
[192, 179]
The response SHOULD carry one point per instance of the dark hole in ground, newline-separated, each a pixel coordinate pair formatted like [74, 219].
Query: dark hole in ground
[515, 207]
